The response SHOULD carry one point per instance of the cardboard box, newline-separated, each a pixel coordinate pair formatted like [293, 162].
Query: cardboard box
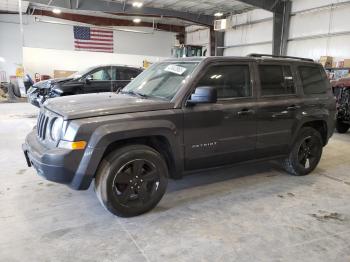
[326, 61]
[62, 73]
[346, 63]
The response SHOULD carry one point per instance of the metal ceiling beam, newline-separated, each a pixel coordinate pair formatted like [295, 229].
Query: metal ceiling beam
[121, 8]
[268, 5]
[105, 21]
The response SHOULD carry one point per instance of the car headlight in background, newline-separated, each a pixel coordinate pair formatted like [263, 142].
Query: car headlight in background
[56, 129]
[31, 90]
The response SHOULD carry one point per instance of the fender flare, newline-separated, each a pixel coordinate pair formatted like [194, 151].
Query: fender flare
[110, 133]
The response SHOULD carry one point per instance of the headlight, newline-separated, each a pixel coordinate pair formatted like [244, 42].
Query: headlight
[31, 90]
[56, 128]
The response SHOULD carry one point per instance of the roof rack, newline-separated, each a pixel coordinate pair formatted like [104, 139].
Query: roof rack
[281, 56]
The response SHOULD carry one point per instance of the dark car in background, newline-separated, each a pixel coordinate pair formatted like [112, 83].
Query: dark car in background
[341, 90]
[107, 78]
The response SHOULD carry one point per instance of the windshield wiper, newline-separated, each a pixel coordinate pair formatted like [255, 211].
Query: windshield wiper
[134, 94]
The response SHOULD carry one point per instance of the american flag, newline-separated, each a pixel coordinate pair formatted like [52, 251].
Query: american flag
[93, 39]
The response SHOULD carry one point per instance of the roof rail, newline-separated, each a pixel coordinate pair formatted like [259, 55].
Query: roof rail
[281, 56]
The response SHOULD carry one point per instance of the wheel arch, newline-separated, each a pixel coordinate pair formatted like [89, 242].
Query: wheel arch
[320, 126]
[160, 143]
[161, 135]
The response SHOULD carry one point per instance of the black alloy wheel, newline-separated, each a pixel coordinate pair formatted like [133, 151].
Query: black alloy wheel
[305, 153]
[308, 152]
[131, 180]
[136, 182]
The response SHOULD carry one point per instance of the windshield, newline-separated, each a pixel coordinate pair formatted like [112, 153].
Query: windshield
[79, 74]
[162, 80]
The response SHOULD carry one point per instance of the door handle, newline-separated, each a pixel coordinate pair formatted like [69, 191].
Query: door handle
[293, 107]
[245, 112]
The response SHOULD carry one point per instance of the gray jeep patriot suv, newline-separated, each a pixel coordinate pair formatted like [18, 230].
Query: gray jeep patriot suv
[182, 115]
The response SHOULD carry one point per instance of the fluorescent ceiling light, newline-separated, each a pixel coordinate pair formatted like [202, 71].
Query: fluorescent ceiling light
[2, 59]
[137, 4]
[218, 14]
[56, 11]
[137, 20]
[37, 19]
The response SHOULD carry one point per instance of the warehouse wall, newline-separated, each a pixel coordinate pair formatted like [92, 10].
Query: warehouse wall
[45, 61]
[54, 40]
[198, 35]
[329, 26]
[245, 36]
[10, 47]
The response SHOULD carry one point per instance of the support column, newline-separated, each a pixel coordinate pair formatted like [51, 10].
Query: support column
[220, 41]
[217, 38]
[281, 22]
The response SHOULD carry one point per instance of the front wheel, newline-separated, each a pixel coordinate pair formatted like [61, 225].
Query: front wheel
[305, 154]
[131, 180]
[342, 127]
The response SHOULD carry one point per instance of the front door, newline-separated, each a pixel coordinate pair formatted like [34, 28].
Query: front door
[278, 107]
[99, 80]
[224, 132]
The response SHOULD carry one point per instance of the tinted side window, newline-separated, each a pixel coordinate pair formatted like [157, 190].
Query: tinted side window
[127, 74]
[102, 74]
[276, 80]
[230, 80]
[313, 80]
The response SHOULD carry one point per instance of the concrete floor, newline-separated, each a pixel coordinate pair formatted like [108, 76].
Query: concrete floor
[246, 213]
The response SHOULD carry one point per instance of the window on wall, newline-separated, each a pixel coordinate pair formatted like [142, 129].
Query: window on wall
[314, 82]
[276, 80]
[230, 81]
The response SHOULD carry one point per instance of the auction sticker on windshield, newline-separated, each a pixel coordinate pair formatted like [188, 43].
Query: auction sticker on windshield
[179, 70]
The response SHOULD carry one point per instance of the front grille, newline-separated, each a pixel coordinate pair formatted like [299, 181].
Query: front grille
[41, 125]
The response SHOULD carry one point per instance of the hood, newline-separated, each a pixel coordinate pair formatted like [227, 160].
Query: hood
[100, 104]
[51, 82]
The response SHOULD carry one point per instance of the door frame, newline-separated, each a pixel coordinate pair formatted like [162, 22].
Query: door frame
[92, 82]
[197, 77]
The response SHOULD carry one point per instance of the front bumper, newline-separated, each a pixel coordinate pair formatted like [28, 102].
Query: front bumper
[55, 164]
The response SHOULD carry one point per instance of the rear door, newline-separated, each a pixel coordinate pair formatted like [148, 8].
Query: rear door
[224, 132]
[123, 77]
[279, 104]
[101, 80]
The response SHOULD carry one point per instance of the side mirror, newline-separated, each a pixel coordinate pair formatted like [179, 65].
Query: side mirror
[88, 79]
[203, 94]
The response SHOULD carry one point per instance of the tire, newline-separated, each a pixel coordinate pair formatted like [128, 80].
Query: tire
[16, 90]
[131, 180]
[342, 127]
[305, 154]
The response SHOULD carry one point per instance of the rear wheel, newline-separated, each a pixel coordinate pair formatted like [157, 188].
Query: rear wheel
[131, 180]
[305, 154]
[342, 127]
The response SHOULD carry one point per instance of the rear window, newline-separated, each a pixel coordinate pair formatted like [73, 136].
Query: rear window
[276, 80]
[314, 82]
